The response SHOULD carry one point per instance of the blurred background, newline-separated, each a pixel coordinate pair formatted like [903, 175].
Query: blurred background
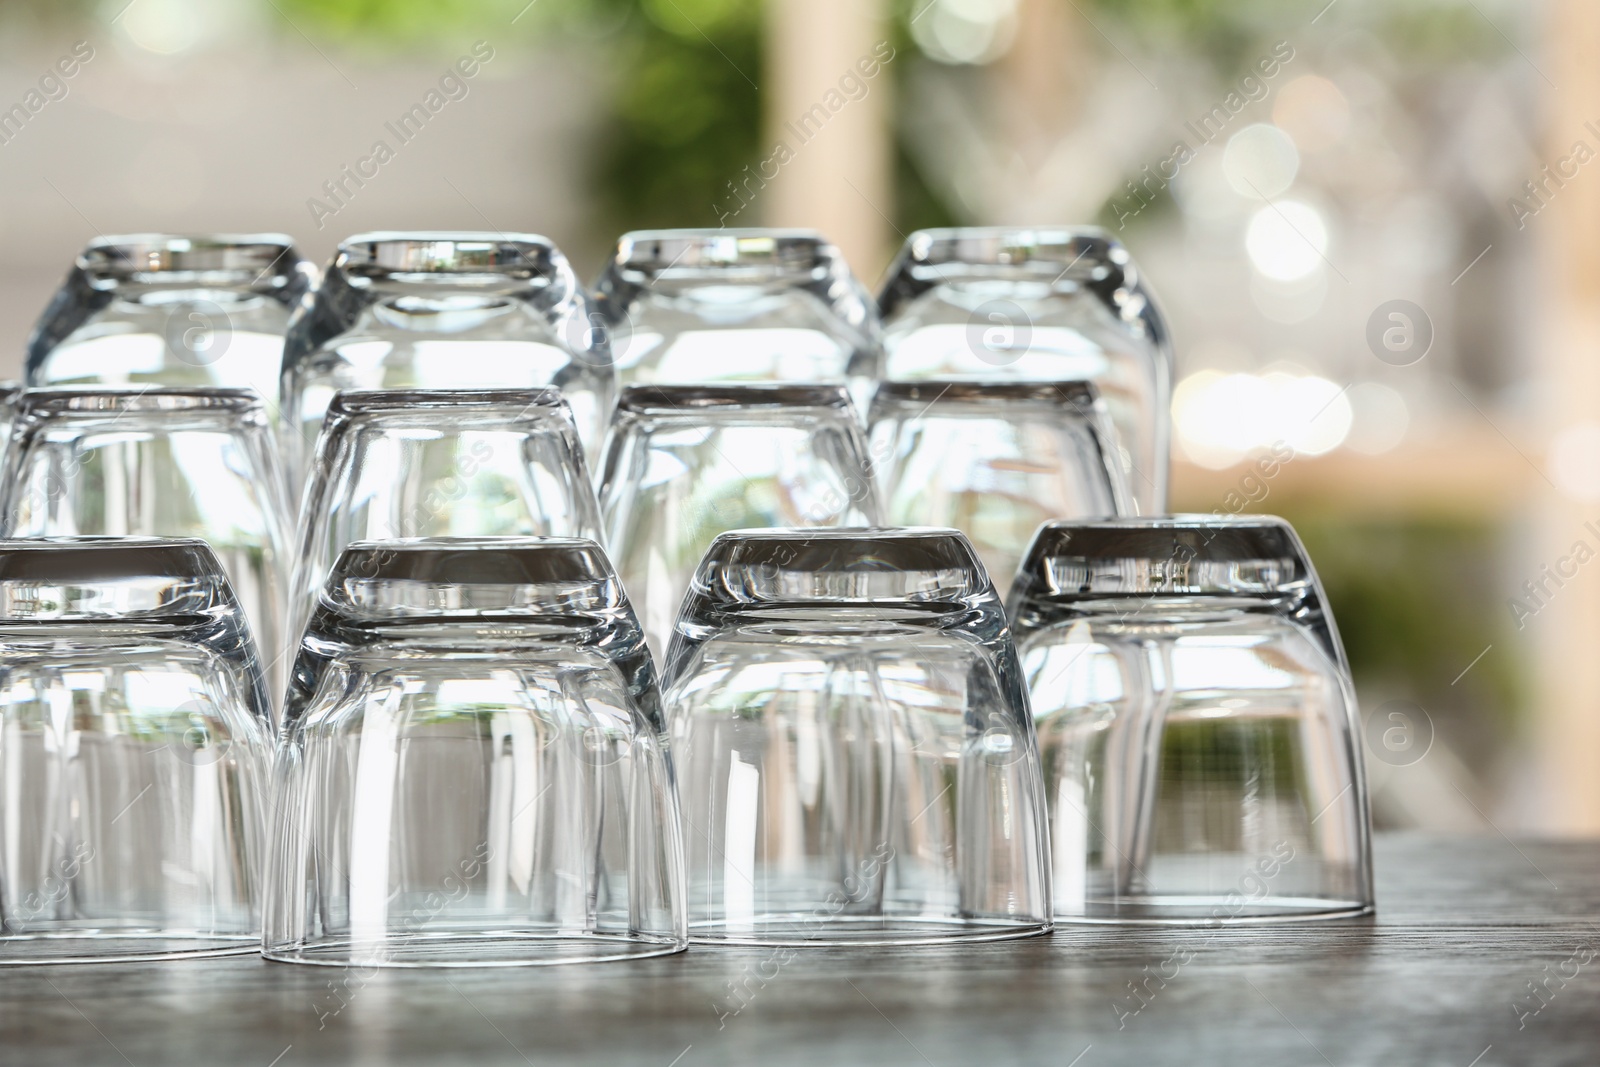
[1372, 224]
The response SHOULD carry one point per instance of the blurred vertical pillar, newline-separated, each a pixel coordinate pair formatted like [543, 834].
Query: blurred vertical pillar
[839, 176]
[1567, 631]
[1040, 80]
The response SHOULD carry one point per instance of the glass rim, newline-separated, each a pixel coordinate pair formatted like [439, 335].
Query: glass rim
[490, 561]
[86, 559]
[446, 252]
[1076, 392]
[1011, 246]
[352, 402]
[732, 396]
[845, 549]
[55, 402]
[1067, 259]
[1045, 234]
[709, 250]
[1178, 520]
[1157, 556]
[1106, 538]
[177, 252]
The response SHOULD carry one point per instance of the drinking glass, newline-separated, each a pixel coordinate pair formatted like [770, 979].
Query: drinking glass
[694, 307]
[169, 309]
[995, 460]
[1052, 305]
[444, 311]
[1197, 723]
[10, 396]
[136, 746]
[686, 463]
[858, 759]
[397, 464]
[159, 462]
[473, 769]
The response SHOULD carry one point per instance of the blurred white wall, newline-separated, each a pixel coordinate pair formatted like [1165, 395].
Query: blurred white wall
[238, 136]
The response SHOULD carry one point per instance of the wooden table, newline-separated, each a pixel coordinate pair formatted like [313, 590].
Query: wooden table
[1441, 976]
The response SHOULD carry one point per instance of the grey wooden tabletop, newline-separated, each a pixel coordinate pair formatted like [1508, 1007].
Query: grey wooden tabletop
[1484, 953]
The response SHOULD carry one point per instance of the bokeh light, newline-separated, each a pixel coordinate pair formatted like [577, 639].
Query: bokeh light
[1381, 418]
[1260, 161]
[1287, 240]
[1313, 111]
[1222, 418]
[1574, 461]
[965, 31]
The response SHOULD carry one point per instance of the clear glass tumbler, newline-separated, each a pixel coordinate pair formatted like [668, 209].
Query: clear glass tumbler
[994, 460]
[395, 464]
[1197, 723]
[473, 769]
[1051, 305]
[445, 311]
[858, 763]
[169, 309]
[163, 463]
[695, 307]
[10, 397]
[135, 748]
[686, 463]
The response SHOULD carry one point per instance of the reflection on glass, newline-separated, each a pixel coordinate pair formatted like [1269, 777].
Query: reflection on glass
[1197, 723]
[691, 307]
[996, 304]
[444, 311]
[686, 463]
[995, 460]
[168, 309]
[858, 762]
[134, 752]
[10, 397]
[474, 769]
[162, 463]
[484, 463]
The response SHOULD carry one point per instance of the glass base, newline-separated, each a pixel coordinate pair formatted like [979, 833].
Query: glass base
[120, 946]
[1213, 911]
[803, 930]
[494, 948]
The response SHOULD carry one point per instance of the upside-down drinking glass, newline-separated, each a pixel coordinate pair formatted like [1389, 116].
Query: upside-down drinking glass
[134, 753]
[473, 769]
[444, 311]
[686, 463]
[692, 307]
[464, 463]
[1052, 305]
[10, 397]
[994, 460]
[169, 309]
[1197, 723]
[857, 761]
[164, 463]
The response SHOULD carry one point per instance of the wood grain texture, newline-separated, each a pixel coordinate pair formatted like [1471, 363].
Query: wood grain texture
[1439, 976]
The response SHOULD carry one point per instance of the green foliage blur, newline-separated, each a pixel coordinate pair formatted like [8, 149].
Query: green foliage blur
[1417, 601]
[683, 78]
[687, 112]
